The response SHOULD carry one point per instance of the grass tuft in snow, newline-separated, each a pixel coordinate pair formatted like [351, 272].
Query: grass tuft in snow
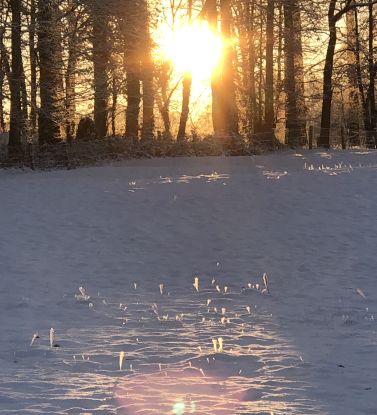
[121, 358]
[52, 335]
[196, 284]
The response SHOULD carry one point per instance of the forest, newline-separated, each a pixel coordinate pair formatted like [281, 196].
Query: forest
[297, 73]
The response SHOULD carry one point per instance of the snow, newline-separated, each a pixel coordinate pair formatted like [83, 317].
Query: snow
[107, 257]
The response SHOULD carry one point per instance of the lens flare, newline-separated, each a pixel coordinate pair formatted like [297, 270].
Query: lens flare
[179, 392]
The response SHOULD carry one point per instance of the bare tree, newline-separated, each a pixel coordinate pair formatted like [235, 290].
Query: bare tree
[100, 39]
[33, 67]
[70, 74]
[294, 76]
[334, 16]
[16, 115]
[147, 74]
[186, 84]
[51, 111]
[372, 66]
[229, 105]
[269, 117]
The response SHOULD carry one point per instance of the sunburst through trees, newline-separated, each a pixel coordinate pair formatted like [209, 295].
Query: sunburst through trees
[261, 71]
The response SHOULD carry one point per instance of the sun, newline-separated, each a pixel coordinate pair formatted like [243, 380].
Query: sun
[193, 48]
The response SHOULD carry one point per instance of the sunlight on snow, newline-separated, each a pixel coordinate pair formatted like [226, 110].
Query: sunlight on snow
[216, 358]
[209, 178]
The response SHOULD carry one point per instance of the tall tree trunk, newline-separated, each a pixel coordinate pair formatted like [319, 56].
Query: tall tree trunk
[51, 112]
[133, 93]
[186, 84]
[300, 77]
[355, 87]
[371, 100]
[70, 75]
[2, 71]
[16, 116]
[230, 113]
[324, 138]
[7, 74]
[114, 103]
[259, 122]
[147, 76]
[269, 118]
[163, 98]
[242, 10]
[217, 113]
[252, 62]
[294, 76]
[360, 84]
[100, 63]
[24, 97]
[279, 89]
[33, 69]
[2, 97]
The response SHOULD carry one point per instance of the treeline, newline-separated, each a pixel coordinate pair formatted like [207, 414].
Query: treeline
[297, 71]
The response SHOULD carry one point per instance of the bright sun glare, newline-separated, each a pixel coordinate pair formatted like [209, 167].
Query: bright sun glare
[192, 48]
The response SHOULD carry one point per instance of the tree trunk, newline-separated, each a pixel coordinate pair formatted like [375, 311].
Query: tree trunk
[33, 69]
[186, 84]
[70, 76]
[16, 115]
[24, 100]
[371, 100]
[363, 96]
[2, 72]
[7, 75]
[162, 96]
[252, 58]
[294, 76]
[355, 91]
[133, 94]
[230, 113]
[269, 99]
[217, 115]
[147, 77]
[261, 48]
[114, 103]
[324, 138]
[100, 63]
[242, 10]
[51, 112]
[2, 97]
[279, 84]
[163, 107]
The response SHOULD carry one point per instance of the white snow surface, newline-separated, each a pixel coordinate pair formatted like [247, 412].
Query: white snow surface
[128, 231]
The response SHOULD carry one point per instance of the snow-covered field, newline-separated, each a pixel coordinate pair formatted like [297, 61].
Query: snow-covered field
[136, 234]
